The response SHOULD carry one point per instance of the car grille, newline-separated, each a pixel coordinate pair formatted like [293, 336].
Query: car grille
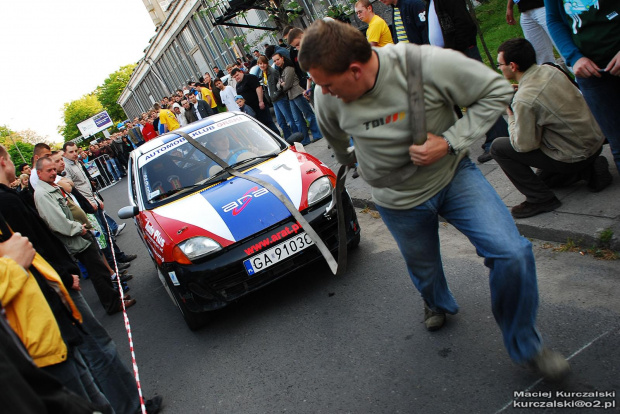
[235, 282]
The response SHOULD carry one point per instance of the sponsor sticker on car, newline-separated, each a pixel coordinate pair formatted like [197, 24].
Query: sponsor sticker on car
[278, 253]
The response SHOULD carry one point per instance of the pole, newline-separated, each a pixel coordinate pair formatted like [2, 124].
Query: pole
[20, 153]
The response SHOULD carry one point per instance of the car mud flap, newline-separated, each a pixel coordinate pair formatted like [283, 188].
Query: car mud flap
[337, 268]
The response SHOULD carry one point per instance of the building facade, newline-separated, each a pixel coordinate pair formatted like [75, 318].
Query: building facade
[187, 44]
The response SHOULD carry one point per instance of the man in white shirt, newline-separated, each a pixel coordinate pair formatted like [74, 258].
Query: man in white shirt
[227, 95]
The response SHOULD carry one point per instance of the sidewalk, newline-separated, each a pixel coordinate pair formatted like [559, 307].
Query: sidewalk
[582, 216]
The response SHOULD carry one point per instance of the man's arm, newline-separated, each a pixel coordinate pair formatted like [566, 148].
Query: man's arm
[259, 92]
[560, 32]
[466, 83]
[16, 255]
[510, 14]
[328, 124]
[52, 214]
[525, 135]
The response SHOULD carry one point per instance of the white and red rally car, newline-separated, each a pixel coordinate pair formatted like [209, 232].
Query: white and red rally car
[215, 237]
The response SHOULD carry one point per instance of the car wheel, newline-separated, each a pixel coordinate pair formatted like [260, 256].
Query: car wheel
[193, 320]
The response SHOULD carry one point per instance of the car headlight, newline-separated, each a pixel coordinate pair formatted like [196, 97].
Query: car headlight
[319, 190]
[198, 247]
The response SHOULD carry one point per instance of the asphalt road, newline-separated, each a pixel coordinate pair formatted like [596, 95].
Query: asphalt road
[317, 343]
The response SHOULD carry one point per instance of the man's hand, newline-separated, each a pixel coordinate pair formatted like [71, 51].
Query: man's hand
[94, 205]
[84, 229]
[261, 105]
[430, 152]
[19, 249]
[613, 67]
[584, 68]
[510, 16]
[76, 283]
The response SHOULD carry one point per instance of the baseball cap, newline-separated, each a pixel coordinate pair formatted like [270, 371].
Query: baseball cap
[239, 97]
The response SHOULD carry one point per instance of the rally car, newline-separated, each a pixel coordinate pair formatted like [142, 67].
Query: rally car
[215, 237]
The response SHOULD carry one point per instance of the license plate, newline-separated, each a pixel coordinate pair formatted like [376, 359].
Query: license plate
[276, 254]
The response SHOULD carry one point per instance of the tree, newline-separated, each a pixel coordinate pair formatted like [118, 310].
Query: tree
[20, 151]
[111, 90]
[76, 112]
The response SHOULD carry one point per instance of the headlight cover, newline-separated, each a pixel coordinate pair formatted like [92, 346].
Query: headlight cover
[198, 247]
[319, 190]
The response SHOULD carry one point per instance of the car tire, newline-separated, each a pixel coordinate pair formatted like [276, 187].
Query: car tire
[193, 320]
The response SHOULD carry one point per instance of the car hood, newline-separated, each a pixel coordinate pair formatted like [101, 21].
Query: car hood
[237, 208]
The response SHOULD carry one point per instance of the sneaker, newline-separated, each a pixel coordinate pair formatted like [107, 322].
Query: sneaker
[433, 320]
[527, 209]
[120, 228]
[550, 364]
[122, 266]
[600, 177]
[355, 174]
[484, 157]
[126, 278]
[127, 258]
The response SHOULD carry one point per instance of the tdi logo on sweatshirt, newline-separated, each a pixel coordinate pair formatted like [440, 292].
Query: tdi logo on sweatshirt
[384, 121]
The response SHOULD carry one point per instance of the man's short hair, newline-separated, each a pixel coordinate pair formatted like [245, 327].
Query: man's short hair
[21, 166]
[346, 45]
[42, 161]
[4, 154]
[287, 30]
[269, 51]
[67, 144]
[518, 51]
[216, 80]
[235, 70]
[365, 3]
[156, 106]
[38, 149]
[293, 34]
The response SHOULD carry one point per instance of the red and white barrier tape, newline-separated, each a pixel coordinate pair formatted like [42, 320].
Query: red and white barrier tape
[126, 319]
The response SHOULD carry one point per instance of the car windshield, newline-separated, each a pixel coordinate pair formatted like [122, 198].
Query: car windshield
[177, 167]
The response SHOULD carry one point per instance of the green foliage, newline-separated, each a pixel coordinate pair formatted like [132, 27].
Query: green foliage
[15, 146]
[605, 237]
[76, 112]
[111, 90]
[492, 18]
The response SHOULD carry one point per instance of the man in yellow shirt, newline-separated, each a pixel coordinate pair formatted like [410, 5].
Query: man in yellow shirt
[167, 118]
[378, 32]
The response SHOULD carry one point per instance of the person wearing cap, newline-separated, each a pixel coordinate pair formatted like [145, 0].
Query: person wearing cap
[179, 113]
[243, 107]
[250, 88]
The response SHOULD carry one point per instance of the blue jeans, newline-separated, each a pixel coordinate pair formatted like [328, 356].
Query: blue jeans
[301, 109]
[115, 380]
[75, 375]
[471, 205]
[601, 95]
[113, 224]
[284, 116]
[113, 168]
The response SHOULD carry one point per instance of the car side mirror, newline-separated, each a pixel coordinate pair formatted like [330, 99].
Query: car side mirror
[295, 137]
[128, 212]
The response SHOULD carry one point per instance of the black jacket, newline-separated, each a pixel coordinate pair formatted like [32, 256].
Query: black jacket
[203, 107]
[457, 26]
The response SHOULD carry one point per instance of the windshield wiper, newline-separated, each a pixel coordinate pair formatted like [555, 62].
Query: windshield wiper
[174, 191]
[254, 158]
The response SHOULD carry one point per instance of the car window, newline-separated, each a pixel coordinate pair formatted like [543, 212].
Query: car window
[176, 165]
